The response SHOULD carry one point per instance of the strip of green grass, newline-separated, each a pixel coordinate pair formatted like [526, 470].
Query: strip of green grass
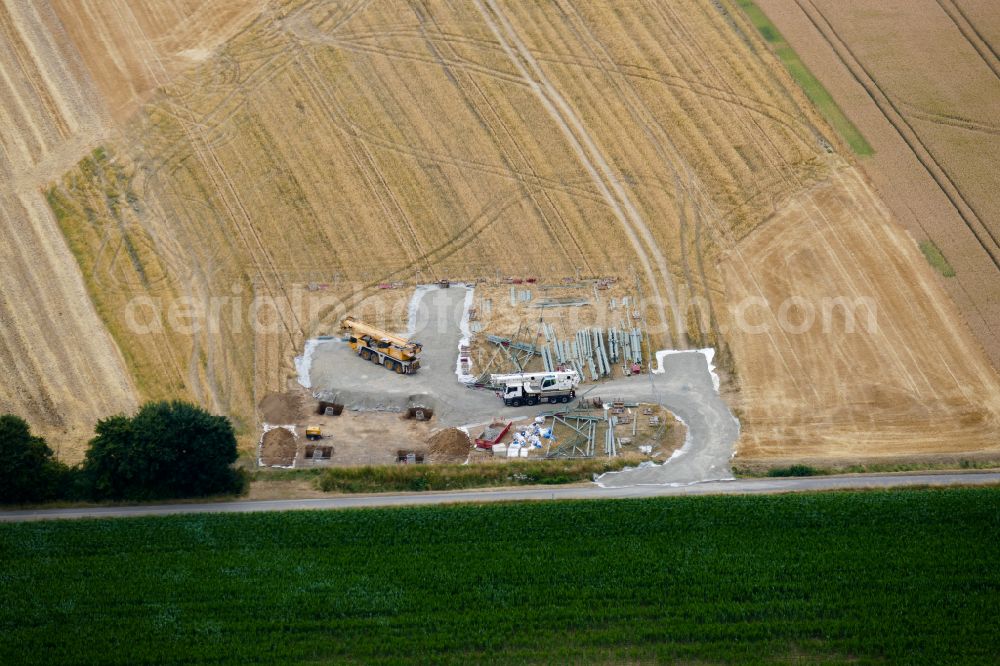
[936, 259]
[752, 471]
[899, 577]
[813, 89]
[401, 478]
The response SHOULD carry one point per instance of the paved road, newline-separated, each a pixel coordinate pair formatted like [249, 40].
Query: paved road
[685, 388]
[735, 487]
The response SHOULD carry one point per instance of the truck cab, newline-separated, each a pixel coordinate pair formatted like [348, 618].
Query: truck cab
[548, 390]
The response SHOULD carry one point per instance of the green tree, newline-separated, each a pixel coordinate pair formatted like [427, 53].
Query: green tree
[167, 450]
[29, 472]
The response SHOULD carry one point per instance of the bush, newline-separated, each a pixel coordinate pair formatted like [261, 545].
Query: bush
[167, 450]
[29, 471]
[794, 470]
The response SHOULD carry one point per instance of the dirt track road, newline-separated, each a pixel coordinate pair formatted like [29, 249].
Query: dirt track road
[535, 494]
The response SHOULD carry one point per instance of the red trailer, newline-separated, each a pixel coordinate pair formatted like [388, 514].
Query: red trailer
[493, 434]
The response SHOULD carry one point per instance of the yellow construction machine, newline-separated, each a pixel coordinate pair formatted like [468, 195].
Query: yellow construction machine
[375, 345]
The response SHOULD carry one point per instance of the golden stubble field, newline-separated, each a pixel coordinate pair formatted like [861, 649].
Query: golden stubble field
[58, 366]
[363, 142]
[886, 366]
[68, 72]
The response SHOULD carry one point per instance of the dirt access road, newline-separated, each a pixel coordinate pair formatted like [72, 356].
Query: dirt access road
[736, 487]
[685, 388]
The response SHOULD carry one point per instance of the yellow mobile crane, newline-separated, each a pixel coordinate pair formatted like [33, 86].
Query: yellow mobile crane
[378, 346]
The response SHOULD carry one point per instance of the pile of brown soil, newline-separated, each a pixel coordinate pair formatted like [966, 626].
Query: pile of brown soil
[281, 408]
[450, 445]
[278, 447]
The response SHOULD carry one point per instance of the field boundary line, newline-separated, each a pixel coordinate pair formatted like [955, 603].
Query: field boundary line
[898, 121]
[976, 39]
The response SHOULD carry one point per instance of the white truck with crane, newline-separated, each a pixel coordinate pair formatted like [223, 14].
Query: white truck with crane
[531, 388]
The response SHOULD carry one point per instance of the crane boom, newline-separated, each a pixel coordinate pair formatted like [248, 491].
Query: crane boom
[381, 347]
[373, 332]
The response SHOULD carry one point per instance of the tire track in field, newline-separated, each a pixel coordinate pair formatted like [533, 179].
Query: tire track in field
[300, 27]
[691, 190]
[363, 159]
[213, 125]
[879, 243]
[760, 137]
[475, 109]
[427, 258]
[650, 73]
[890, 111]
[463, 164]
[750, 36]
[409, 56]
[592, 160]
[876, 243]
[853, 277]
[684, 37]
[950, 120]
[492, 213]
[638, 103]
[354, 41]
[856, 277]
[350, 13]
[256, 251]
[407, 33]
[438, 253]
[972, 35]
[689, 43]
[295, 28]
[669, 155]
[343, 120]
[479, 223]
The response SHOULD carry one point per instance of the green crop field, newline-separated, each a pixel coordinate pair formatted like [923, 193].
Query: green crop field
[902, 577]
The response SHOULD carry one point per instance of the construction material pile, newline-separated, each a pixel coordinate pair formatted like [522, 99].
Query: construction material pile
[450, 445]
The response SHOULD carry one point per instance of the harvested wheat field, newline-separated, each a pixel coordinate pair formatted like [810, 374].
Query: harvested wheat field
[299, 153]
[847, 369]
[60, 369]
[921, 79]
